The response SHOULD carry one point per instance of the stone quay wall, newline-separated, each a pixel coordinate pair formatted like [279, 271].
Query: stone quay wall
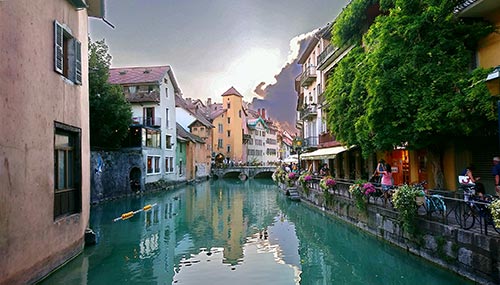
[471, 254]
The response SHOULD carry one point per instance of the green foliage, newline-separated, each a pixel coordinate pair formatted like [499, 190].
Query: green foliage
[349, 25]
[404, 201]
[409, 80]
[110, 113]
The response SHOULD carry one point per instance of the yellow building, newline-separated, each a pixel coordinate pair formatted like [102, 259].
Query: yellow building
[229, 124]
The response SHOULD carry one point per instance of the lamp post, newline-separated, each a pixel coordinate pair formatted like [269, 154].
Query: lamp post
[298, 143]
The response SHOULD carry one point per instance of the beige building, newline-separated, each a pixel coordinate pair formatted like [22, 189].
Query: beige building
[229, 122]
[44, 135]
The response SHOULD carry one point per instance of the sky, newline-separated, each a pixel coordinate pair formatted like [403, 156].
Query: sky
[213, 45]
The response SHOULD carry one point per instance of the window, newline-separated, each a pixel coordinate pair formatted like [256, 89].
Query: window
[149, 116]
[201, 129]
[195, 129]
[169, 164]
[228, 133]
[219, 144]
[229, 105]
[132, 89]
[239, 113]
[67, 54]
[221, 129]
[228, 120]
[166, 118]
[166, 92]
[168, 141]
[228, 148]
[153, 165]
[153, 138]
[67, 170]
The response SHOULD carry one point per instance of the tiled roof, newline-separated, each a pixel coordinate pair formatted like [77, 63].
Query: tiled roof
[181, 132]
[232, 91]
[252, 123]
[216, 113]
[134, 75]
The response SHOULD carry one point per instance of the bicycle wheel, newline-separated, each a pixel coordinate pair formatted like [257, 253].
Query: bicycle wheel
[464, 214]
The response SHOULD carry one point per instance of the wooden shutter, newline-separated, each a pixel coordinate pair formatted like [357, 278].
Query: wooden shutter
[78, 62]
[58, 47]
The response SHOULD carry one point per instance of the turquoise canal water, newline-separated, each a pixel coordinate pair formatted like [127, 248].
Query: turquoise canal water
[233, 232]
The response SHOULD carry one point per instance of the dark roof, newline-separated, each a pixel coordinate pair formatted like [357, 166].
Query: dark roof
[232, 91]
[182, 133]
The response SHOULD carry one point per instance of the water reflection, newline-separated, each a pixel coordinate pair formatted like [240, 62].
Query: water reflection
[228, 231]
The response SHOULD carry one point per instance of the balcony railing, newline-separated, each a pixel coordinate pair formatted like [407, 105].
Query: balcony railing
[462, 6]
[311, 142]
[308, 76]
[323, 57]
[147, 122]
[309, 112]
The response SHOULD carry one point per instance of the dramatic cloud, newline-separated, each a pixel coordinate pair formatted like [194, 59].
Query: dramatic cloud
[280, 98]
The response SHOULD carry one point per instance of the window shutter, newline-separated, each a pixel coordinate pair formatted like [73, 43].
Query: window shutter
[58, 47]
[78, 62]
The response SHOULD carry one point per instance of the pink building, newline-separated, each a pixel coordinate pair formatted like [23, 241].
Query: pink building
[44, 135]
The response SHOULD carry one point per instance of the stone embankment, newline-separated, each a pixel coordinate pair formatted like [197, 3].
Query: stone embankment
[470, 253]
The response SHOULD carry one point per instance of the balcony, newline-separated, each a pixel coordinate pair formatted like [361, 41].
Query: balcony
[311, 142]
[147, 122]
[308, 76]
[309, 112]
[325, 55]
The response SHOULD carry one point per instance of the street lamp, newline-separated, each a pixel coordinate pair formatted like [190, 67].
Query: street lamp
[298, 144]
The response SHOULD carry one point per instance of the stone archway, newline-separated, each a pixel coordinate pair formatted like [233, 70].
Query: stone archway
[135, 178]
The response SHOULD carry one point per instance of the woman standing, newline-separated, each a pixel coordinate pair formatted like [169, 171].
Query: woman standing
[386, 181]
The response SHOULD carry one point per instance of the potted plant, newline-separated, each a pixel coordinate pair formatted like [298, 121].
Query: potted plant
[327, 183]
[304, 179]
[405, 202]
[495, 212]
[291, 178]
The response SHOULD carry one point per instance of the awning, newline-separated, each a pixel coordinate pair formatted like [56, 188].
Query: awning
[291, 159]
[323, 153]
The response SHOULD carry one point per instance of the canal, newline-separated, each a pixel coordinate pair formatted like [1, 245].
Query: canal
[233, 232]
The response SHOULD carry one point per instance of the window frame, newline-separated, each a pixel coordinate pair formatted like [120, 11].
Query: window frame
[68, 191]
[67, 54]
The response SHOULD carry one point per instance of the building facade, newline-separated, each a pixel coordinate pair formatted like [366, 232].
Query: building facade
[151, 92]
[229, 126]
[44, 146]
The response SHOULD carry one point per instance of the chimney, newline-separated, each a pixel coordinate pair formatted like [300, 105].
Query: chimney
[209, 101]
[263, 115]
[258, 111]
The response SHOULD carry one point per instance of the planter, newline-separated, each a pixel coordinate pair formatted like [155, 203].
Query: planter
[420, 200]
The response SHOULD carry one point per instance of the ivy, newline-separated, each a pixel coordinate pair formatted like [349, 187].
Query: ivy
[408, 78]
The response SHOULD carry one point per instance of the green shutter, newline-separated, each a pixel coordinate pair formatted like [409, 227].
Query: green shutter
[78, 62]
[58, 47]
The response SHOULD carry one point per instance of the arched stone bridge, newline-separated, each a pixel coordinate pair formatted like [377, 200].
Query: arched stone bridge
[243, 172]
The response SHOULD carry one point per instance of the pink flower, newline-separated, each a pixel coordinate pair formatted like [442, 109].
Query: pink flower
[369, 188]
[307, 178]
[291, 175]
[330, 182]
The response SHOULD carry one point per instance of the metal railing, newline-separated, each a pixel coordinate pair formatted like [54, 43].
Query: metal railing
[323, 56]
[454, 208]
[308, 76]
[147, 122]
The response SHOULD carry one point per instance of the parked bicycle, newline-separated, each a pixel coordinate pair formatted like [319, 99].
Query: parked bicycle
[433, 203]
[474, 209]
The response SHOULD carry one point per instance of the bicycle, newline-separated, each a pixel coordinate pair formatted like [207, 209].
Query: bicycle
[433, 203]
[473, 208]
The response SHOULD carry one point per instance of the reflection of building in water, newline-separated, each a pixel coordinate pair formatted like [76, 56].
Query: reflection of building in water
[229, 225]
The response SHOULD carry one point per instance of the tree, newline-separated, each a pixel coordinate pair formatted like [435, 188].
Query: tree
[407, 81]
[110, 113]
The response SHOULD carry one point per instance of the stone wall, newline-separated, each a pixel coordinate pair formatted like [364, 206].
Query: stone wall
[110, 174]
[471, 254]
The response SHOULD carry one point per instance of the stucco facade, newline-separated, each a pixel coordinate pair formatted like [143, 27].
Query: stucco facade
[44, 102]
[229, 126]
